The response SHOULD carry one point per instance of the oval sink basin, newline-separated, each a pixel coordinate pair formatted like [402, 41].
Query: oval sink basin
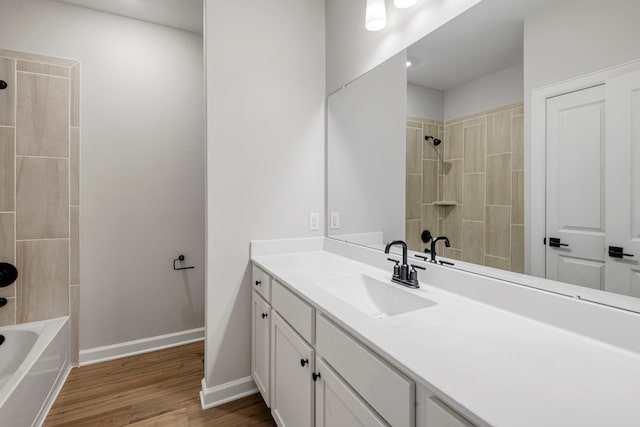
[374, 297]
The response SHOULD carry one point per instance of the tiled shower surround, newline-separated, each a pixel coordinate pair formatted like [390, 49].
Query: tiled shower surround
[470, 188]
[39, 187]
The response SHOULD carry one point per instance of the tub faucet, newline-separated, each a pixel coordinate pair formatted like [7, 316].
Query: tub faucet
[401, 273]
[433, 246]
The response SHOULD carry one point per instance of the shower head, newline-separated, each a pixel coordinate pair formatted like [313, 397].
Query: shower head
[436, 141]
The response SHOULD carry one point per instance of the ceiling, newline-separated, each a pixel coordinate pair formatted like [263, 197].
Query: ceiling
[486, 38]
[182, 14]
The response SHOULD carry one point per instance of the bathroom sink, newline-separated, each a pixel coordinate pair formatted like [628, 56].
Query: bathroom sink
[377, 298]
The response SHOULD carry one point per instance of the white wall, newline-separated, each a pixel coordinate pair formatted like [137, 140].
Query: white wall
[142, 168]
[352, 50]
[503, 87]
[366, 152]
[265, 155]
[424, 102]
[572, 38]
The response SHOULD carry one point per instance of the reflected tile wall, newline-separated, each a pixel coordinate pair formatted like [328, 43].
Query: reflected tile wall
[40, 135]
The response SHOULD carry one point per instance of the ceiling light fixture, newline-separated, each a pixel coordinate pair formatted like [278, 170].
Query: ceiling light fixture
[403, 4]
[376, 15]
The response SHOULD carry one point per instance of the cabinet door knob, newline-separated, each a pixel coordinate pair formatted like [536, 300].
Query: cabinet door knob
[264, 315]
[304, 362]
[315, 376]
[258, 282]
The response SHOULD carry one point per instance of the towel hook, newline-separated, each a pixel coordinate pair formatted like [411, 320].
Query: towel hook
[180, 258]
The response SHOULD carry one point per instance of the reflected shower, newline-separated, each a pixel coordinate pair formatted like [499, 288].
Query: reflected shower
[436, 141]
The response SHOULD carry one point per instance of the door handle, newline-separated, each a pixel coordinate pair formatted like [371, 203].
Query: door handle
[554, 242]
[617, 252]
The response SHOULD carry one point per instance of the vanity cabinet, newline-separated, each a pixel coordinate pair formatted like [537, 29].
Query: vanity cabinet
[292, 387]
[261, 342]
[337, 404]
[440, 415]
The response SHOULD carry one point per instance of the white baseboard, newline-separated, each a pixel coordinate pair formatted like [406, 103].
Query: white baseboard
[146, 345]
[215, 396]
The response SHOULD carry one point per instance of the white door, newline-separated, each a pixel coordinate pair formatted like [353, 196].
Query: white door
[337, 405]
[623, 184]
[575, 188]
[291, 368]
[260, 332]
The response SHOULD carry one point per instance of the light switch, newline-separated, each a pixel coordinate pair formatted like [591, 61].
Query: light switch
[334, 223]
[314, 221]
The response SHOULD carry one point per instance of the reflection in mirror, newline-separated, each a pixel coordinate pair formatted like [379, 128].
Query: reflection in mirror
[433, 139]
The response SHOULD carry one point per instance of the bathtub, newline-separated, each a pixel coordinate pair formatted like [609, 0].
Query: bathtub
[34, 362]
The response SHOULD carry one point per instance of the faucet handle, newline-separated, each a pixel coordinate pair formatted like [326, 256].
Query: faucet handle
[418, 266]
[396, 268]
[422, 257]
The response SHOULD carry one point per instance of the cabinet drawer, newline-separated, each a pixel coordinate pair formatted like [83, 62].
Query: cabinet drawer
[296, 312]
[389, 392]
[262, 283]
[440, 415]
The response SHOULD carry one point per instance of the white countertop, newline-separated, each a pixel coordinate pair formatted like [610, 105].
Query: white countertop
[506, 369]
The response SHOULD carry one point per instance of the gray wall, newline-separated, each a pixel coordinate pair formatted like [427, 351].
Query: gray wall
[142, 165]
[265, 150]
[425, 103]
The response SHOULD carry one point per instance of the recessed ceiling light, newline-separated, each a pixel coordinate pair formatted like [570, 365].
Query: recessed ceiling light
[375, 15]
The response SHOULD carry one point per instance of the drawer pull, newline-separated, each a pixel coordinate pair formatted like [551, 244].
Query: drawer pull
[315, 376]
[304, 362]
[264, 315]
[258, 282]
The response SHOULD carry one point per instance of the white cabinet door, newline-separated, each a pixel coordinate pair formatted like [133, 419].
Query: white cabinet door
[575, 187]
[260, 345]
[292, 361]
[339, 406]
[623, 184]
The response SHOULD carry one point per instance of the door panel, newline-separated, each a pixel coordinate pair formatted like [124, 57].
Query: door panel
[575, 187]
[623, 182]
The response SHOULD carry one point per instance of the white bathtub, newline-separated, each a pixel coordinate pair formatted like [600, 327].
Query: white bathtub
[34, 362]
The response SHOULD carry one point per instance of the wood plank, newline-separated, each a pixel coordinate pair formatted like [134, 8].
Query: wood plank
[153, 389]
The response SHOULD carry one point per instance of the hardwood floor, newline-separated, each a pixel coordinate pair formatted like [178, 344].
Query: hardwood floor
[154, 389]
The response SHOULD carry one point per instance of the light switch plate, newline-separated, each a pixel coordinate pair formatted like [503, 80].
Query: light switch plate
[314, 221]
[334, 222]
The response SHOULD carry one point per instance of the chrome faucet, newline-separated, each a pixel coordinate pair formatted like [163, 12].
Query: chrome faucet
[401, 273]
[433, 246]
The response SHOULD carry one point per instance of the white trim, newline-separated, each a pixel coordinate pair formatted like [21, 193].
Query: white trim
[145, 345]
[535, 252]
[53, 395]
[227, 392]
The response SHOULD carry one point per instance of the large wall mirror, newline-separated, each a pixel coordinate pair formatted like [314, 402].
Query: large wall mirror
[433, 139]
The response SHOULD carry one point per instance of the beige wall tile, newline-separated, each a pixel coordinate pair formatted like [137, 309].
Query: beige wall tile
[481, 120]
[8, 313]
[414, 197]
[453, 141]
[473, 242]
[74, 166]
[499, 179]
[473, 197]
[414, 151]
[517, 197]
[7, 243]
[431, 130]
[517, 142]
[417, 124]
[453, 181]
[474, 148]
[74, 82]
[499, 133]
[42, 68]
[8, 95]
[440, 187]
[7, 237]
[43, 284]
[430, 219]
[42, 198]
[413, 231]
[452, 225]
[34, 57]
[517, 248]
[74, 246]
[7, 156]
[497, 231]
[448, 252]
[429, 181]
[496, 262]
[74, 311]
[518, 111]
[42, 122]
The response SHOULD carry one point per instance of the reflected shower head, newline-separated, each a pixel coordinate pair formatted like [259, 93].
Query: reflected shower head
[436, 141]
